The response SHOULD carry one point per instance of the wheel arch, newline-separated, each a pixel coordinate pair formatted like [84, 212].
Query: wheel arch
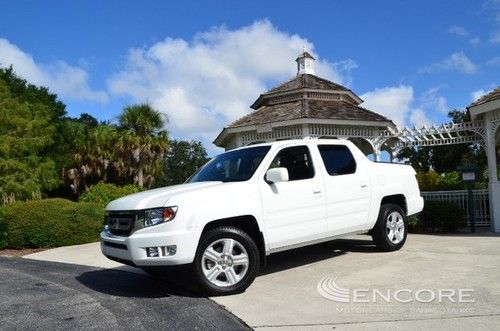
[246, 223]
[398, 199]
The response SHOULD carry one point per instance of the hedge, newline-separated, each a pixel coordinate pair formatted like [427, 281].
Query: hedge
[51, 223]
[103, 193]
[437, 216]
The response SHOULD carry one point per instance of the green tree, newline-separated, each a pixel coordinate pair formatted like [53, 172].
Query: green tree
[32, 94]
[92, 155]
[42, 105]
[182, 160]
[143, 143]
[26, 132]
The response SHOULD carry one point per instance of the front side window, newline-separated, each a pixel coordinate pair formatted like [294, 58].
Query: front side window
[233, 166]
[297, 160]
[338, 159]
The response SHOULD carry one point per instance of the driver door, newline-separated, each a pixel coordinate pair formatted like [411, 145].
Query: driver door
[294, 211]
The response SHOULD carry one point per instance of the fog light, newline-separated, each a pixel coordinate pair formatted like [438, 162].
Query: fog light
[169, 250]
[152, 252]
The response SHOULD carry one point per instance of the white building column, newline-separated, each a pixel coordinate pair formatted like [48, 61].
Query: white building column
[306, 132]
[494, 184]
[376, 154]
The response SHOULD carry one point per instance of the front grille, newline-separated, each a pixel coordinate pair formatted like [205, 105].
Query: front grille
[120, 223]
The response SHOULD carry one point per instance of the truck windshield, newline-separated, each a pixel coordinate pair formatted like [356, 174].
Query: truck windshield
[234, 166]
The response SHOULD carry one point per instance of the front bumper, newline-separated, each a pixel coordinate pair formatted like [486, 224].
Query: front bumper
[133, 249]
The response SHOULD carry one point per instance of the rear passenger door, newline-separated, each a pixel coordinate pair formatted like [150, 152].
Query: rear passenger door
[346, 188]
[294, 211]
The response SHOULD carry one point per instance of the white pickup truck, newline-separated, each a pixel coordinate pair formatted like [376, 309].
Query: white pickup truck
[250, 202]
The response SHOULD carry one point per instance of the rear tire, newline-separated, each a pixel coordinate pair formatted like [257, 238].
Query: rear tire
[390, 231]
[226, 262]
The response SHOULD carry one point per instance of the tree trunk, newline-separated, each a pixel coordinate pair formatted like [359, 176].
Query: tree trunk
[140, 177]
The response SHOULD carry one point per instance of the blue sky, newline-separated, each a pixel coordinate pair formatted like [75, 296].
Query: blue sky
[204, 63]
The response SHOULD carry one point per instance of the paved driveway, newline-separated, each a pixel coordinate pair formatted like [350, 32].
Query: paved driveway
[285, 296]
[38, 295]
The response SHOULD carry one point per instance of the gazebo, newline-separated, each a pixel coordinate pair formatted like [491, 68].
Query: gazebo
[308, 106]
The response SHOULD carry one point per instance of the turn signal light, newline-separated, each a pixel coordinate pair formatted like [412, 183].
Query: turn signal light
[168, 214]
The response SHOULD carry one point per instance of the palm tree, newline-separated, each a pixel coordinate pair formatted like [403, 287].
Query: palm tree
[92, 154]
[143, 143]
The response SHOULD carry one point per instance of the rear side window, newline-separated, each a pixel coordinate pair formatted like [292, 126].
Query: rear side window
[296, 160]
[338, 159]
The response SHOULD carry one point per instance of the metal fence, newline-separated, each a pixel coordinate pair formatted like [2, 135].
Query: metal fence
[459, 198]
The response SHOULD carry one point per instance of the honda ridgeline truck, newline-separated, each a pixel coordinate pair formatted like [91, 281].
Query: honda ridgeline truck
[253, 201]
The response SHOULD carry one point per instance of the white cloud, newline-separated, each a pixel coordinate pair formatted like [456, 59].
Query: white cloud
[206, 83]
[477, 94]
[431, 100]
[65, 80]
[392, 102]
[495, 37]
[461, 32]
[418, 118]
[494, 62]
[458, 31]
[457, 61]
[400, 104]
[475, 41]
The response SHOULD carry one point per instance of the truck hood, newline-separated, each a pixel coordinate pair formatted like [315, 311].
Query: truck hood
[156, 197]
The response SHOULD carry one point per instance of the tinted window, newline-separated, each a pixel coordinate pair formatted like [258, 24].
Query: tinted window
[234, 166]
[338, 159]
[297, 161]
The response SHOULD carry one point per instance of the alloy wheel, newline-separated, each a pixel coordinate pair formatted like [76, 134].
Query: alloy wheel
[225, 262]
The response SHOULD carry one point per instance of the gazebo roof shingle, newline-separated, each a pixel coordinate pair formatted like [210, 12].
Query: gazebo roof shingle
[307, 81]
[493, 95]
[308, 107]
[316, 109]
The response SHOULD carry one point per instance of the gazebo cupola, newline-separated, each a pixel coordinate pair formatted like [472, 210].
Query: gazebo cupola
[305, 63]
[307, 106]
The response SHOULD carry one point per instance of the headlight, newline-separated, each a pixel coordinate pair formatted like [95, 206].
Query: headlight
[159, 215]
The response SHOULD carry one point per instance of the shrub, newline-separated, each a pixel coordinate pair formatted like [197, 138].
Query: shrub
[432, 181]
[442, 216]
[414, 224]
[52, 223]
[103, 193]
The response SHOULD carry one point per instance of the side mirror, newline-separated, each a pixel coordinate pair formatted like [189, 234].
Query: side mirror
[277, 175]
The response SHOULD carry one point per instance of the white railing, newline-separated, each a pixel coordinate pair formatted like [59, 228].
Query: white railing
[459, 198]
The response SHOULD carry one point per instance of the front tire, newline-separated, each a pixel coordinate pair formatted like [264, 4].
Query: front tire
[390, 231]
[226, 261]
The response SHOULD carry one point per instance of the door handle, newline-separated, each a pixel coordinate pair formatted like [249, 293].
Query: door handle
[364, 185]
[316, 190]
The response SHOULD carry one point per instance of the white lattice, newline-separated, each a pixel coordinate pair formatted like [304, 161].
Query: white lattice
[278, 133]
[332, 130]
[323, 96]
[494, 122]
[446, 134]
[285, 98]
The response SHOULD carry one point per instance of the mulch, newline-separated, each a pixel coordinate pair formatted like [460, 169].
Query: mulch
[20, 252]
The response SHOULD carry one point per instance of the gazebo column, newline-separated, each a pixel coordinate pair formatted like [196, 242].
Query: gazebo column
[376, 154]
[494, 184]
[306, 132]
[392, 154]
